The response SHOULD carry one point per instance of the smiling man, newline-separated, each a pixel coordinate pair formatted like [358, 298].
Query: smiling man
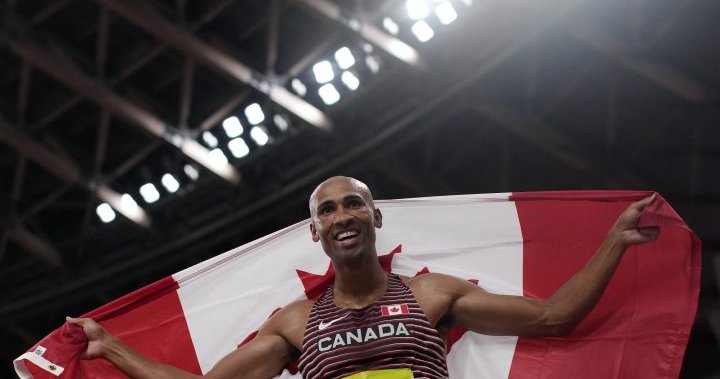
[371, 324]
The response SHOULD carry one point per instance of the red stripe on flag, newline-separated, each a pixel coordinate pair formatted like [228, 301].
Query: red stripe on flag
[640, 327]
[150, 320]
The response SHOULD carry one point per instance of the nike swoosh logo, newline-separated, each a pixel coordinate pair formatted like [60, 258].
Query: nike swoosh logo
[325, 325]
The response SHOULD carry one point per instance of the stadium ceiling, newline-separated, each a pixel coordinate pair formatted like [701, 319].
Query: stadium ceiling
[140, 137]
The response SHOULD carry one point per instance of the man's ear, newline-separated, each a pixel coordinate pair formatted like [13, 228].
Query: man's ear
[378, 218]
[313, 232]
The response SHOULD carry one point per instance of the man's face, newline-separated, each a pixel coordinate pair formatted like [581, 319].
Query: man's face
[344, 219]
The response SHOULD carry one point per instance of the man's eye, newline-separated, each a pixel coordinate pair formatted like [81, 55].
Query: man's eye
[325, 210]
[354, 203]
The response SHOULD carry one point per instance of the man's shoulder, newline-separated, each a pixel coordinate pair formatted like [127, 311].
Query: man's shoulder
[296, 311]
[290, 322]
[429, 279]
[436, 284]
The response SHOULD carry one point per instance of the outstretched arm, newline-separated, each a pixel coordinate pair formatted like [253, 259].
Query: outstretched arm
[261, 358]
[480, 311]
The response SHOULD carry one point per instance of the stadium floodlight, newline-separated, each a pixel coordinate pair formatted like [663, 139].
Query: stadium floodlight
[209, 139]
[170, 183]
[350, 80]
[391, 26]
[128, 201]
[329, 94]
[281, 122]
[238, 148]
[446, 13]
[422, 31]
[232, 126]
[372, 63]
[254, 113]
[417, 9]
[149, 193]
[217, 156]
[105, 212]
[323, 72]
[344, 58]
[259, 135]
[191, 172]
[298, 87]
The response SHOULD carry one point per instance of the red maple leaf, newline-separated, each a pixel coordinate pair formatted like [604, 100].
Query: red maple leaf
[315, 284]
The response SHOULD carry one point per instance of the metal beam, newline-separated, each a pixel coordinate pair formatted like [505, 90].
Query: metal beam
[70, 75]
[147, 19]
[36, 245]
[67, 171]
[134, 65]
[659, 73]
[393, 46]
[219, 114]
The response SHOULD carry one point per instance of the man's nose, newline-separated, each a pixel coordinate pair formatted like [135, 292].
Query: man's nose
[342, 217]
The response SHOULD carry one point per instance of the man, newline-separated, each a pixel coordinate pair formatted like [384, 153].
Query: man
[343, 333]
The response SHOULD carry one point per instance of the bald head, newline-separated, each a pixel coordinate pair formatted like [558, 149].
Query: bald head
[356, 185]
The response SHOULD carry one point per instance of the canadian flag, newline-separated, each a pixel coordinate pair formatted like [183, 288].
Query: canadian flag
[390, 310]
[517, 244]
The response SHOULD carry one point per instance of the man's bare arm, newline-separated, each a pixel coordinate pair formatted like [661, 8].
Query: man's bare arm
[486, 313]
[261, 358]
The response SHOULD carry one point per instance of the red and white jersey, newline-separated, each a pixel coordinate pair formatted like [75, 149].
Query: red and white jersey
[391, 333]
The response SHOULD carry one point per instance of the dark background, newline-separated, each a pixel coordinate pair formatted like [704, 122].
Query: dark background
[98, 97]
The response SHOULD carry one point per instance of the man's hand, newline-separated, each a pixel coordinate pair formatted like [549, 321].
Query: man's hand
[97, 336]
[626, 229]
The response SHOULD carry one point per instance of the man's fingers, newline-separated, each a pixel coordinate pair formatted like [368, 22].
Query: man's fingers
[650, 232]
[641, 204]
[76, 320]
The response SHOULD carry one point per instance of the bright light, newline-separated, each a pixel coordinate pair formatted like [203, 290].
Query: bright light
[298, 87]
[149, 193]
[259, 135]
[170, 183]
[391, 26]
[329, 94]
[191, 172]
[209, 139]
[281, 122]
[417, 9]
[232, 126]
[323, 72]
[368, 47]
[344, 58]
[446, 13]
[372, 64]
[218, 157]
[128, 201]
[238, 148]
[254, 113]
[350, 80]
[105, 212]
[422, 31]
[468, 2]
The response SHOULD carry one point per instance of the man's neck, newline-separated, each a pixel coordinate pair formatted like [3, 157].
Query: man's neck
[359, 285]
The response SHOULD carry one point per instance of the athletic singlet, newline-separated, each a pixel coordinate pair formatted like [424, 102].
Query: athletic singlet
[392, 333]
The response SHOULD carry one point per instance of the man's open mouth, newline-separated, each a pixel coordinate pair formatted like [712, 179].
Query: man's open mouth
[348, 234]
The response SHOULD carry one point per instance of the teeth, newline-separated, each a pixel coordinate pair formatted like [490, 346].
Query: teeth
[349, 233]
